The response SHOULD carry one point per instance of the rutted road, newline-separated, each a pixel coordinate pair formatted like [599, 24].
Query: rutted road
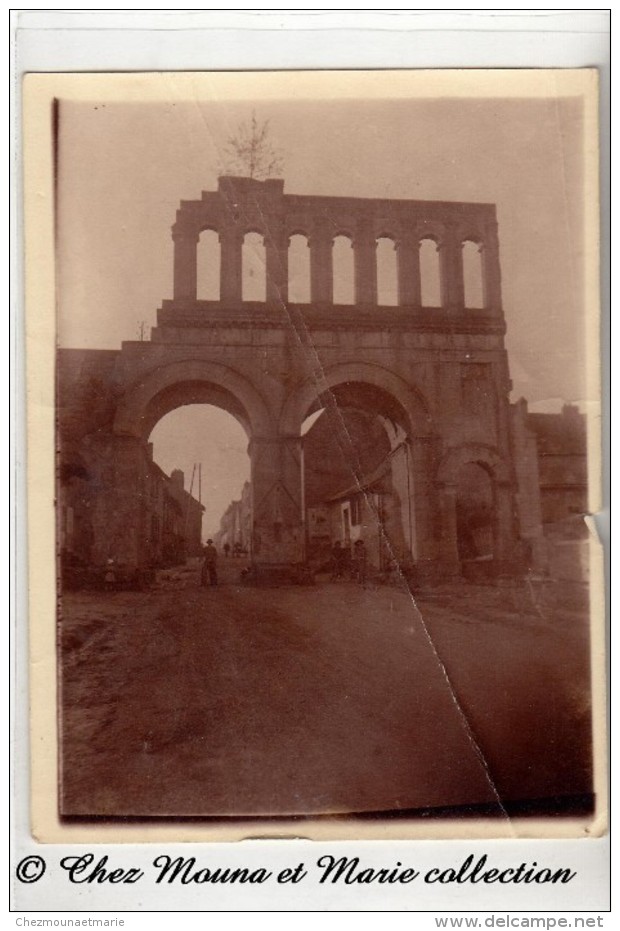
[327, 699]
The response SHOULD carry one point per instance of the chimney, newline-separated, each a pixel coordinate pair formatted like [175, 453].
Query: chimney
[178, 479]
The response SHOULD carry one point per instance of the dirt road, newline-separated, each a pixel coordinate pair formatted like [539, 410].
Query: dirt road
[324, 699]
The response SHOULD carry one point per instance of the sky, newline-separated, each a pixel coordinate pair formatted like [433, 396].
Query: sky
[124, 167]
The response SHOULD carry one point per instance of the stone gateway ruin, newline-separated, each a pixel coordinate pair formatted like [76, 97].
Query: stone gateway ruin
[434, 375]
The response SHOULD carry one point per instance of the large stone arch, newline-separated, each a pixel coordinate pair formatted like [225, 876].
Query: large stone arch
[392, 398]
[165, 387]
[410, 400]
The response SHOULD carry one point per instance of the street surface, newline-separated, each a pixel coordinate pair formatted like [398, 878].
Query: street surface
[321, 699]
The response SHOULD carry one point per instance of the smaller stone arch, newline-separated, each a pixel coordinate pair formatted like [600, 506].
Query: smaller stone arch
[208, 226]
[300, 229]
[252, 229]
[430, 229]
[502, 524]
[470, 234]
[387, 232]
[478, 453]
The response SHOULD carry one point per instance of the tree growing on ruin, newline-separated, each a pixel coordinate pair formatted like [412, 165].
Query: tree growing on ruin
[249, 152]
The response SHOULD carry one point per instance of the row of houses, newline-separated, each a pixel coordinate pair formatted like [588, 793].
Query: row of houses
[235, 531]
[170, 529]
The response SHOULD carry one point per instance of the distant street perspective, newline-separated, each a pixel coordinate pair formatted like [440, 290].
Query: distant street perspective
[324, 699]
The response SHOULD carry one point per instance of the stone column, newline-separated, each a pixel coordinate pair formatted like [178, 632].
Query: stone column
[277, 532]
[491, 272]
[276, 258]
[448, 543]
[185, 248]
[421, 456]
[451, 265]
[408, 257]
[119, 508]
[504, 537]
[365, 252]
[231, 243]
[321, 265]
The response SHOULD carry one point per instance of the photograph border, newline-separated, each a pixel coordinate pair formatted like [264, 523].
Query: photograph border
[41, 92]
[37, 333]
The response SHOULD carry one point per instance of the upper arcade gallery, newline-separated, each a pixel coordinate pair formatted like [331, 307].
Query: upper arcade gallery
[249, 242]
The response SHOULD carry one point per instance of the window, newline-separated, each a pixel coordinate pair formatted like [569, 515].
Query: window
[430, 280]
[253, 264]
[208, 266]
[387, 274]
[356, 510]
[472, 275]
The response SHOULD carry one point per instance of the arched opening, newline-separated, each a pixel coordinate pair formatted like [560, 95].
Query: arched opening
[197, 485]
[158, 393]
[472, 275]
[208, 266]
[344, 271]
[298, 270]
[357, 478]
[430, 276]
[254, 278]
[387, 272]
[475, 501]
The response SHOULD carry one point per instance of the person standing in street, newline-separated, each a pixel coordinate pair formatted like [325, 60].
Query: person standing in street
[209, 565]
[359, 562]
[337, 561]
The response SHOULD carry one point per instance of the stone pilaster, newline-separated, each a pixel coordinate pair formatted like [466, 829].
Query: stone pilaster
[448, 542]
[451, 265]
[365, 252]
[421, 458]
[231, 244]
[119, 513]
[491, 273]
[276, 258]
[321, 265]
[185, 249]
[278, 532]
[408, 258]
[504, 535]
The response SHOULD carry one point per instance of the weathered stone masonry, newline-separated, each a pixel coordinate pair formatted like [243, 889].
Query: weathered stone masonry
[439, 374]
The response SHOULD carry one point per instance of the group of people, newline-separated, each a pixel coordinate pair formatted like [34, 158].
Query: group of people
[343, 563]
[237, 550]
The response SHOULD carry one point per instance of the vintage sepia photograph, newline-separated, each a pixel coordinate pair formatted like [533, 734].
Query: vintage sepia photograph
[326, 443]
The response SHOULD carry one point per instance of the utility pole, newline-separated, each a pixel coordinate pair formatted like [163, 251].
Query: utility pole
[200, 495]
[189, 501]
